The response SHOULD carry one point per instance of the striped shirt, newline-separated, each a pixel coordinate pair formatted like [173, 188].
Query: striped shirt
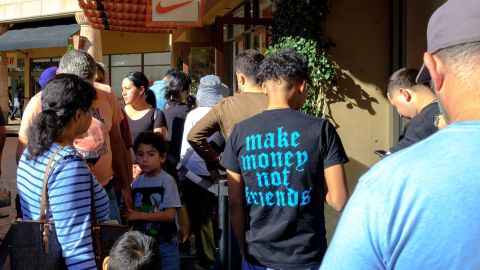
[68, 192]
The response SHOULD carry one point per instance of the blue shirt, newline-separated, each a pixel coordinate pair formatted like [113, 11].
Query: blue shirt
[416, 209]
[68, 190]
[158, 89]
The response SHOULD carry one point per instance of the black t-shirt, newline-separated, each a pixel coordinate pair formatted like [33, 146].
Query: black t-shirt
[418, 128]
[175, 114]
[281, 155]
[153, 119]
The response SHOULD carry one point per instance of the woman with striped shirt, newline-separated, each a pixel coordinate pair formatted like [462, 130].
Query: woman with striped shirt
[66, 113]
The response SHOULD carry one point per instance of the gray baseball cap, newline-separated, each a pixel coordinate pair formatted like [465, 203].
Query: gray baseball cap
[455, 22]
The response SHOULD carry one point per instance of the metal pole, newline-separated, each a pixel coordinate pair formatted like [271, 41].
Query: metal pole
[223, 225]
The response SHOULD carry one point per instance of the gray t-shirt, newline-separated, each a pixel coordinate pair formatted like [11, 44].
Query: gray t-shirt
[153, 194]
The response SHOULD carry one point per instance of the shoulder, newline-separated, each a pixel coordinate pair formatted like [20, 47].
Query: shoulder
[69, 157]
[166, 178]
[100, 87]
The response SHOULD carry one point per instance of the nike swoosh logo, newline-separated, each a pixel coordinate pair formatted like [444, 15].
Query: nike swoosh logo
[164, 9]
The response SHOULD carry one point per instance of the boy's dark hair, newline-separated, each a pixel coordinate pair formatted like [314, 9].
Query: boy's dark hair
[61, 97]
[154, 139]
[248, 63]
[287, 65]
[402, 78]
[134, 251]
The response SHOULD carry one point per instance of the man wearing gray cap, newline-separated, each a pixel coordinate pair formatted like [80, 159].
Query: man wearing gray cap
[419, 208]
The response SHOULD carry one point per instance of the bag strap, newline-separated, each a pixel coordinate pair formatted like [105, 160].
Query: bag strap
[45, 228]
[93, 210]
[44, 187]
[96, 241]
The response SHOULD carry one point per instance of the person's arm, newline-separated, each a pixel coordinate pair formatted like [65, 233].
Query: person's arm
[31, 110]
[119, 152]
[163, 216]
[198, 139]
[336, 187]
[161, 130]
[119, 163]
[236, 202]
[21, 145]
[160, 123]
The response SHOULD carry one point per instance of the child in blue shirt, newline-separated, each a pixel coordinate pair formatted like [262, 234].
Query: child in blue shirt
[156, 198]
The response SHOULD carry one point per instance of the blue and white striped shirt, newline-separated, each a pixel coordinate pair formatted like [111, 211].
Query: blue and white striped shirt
[68, 191]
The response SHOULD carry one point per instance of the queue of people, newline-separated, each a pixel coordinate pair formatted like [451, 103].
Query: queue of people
[281, 164]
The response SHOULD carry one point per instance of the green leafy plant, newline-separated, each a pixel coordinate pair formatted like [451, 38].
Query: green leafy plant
[299, 25]
[323, 74]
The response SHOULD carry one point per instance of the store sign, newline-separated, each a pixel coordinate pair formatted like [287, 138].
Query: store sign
[11, 60]
[175, 13]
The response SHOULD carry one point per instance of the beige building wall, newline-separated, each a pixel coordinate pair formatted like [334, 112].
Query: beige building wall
[22, 10]
[122, 42]
[357, 107]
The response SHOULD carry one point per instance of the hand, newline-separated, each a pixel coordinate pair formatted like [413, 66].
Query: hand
[131, 214]
[127, 197]
[214, 175]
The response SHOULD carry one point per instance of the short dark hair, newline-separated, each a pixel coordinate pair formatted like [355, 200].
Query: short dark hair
[134, 251]
[154, 139]
[248, 63]
[402, 78]
[287, 65]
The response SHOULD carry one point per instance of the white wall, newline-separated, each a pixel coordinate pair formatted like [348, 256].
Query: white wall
[22, 10]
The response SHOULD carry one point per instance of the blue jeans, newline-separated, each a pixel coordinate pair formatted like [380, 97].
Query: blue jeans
[169, 255]
[112, 198]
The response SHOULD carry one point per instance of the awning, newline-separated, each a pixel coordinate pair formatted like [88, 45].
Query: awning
[37, 37]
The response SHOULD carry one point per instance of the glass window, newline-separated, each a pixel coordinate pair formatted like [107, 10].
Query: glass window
[40, 64]
[116, 77]
[202, 61]
[105, 60]
[162, 58]
[155, 73]
[126, 60]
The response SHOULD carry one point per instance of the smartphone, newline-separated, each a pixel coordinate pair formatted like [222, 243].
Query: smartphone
[380, 153]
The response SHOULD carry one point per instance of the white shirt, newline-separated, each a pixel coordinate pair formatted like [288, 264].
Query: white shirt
[193, 161]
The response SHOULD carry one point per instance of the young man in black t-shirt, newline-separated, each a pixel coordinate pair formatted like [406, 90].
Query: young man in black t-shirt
[281, 166]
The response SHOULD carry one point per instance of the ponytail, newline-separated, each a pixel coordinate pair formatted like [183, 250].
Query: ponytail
[44, 131]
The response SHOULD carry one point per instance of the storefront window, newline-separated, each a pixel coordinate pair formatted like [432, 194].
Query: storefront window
[126, 60]
[153, 65]
[37, 66]
[202, 61]
[16, 82]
